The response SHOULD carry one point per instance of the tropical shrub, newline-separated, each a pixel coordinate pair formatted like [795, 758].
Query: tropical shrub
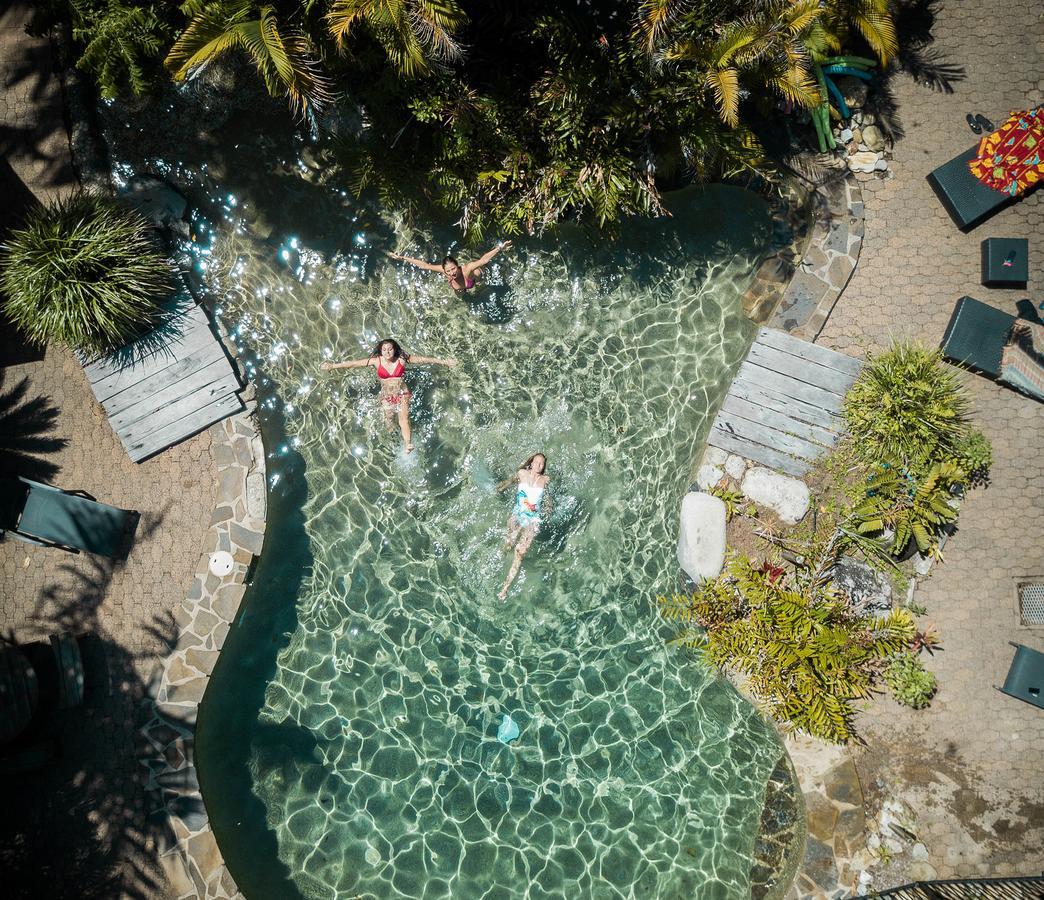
[974, 455]
[83, 273]
[906, 408]
[735, 502]
[915, 511]
[806, 656]
[909, 681]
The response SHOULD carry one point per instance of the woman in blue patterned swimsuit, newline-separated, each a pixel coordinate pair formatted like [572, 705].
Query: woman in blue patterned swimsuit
[524, 521]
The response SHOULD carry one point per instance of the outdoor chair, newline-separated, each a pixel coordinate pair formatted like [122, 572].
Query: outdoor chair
[985, 339]
[1025, 679]
[71, 520]
[968, 201]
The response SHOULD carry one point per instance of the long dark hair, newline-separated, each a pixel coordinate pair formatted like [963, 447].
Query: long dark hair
[399, 352]
[451, 259]
[528, 464]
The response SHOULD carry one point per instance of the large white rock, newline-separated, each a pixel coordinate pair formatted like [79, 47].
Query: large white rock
[787, 497]
[701, 536]
[735, 466]
[714, 456]
[862, 161]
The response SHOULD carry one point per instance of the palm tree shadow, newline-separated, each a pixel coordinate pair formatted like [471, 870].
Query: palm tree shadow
[26, 433]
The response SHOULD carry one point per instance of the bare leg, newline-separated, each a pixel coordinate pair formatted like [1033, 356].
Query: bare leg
[389, 415]
[513, 531]
[404, 423]
[516, 563]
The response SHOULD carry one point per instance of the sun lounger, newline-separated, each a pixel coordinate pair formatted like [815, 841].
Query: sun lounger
[976, 337]
[75, 521]
[967, 200]
[1025, 679]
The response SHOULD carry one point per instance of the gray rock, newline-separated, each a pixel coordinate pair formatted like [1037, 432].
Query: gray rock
[853, 89]
[869, 590]
[846, 135]
[919, 852]
[787, 497]
[159, 202]
[708, 476]
[714, 456]
[922, 564]
[880, 166]
[735, 466]
[701, 536]
[873, 138]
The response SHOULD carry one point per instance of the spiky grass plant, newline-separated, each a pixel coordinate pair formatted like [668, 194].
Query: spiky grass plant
[907, 408]
[84, 273]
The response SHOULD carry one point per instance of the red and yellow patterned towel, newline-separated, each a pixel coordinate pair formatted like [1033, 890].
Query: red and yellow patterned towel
[1009, 159]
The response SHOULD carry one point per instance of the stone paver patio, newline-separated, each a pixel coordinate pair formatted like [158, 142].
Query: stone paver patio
[969, 766]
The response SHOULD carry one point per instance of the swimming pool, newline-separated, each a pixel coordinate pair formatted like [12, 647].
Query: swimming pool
[347, 743]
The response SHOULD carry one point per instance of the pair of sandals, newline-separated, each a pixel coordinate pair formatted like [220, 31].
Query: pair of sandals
[979, 123]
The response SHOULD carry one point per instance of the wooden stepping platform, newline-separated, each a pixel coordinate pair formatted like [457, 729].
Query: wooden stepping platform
[168, 385]
[784, 407]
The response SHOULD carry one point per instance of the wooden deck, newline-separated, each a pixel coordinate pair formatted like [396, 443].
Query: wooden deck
[784, 407]
[168, 385]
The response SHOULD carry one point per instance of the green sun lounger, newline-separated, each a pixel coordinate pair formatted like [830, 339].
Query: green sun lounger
[1025, 679]
[976, 336]
[966, 199]
[51, 517]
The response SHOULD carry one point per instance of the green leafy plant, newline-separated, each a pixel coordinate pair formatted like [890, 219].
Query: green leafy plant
[925, 640]
[914, 511]
[84, 273]
[906, 408]
[806, 656]
[909, 681]
[735, 502]
[974, 455]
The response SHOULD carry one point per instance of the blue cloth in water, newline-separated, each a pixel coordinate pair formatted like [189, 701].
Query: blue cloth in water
[508, 730]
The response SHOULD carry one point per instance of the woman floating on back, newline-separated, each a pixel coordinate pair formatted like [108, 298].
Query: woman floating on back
[460, 277]
[389, 359]
[531, 502]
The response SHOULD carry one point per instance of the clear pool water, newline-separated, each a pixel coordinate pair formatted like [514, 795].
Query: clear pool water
[347, 744]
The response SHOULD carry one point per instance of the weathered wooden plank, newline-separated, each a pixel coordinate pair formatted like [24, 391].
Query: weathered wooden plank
[117, 380]
[758, 375]
[815, 352]
[174, 412]
[801, 369]
[787, 406]
[769, 436]
[183, 320]
[147, 445]
[184, 370]
[759, 453]
[753, 412]
[177, 400]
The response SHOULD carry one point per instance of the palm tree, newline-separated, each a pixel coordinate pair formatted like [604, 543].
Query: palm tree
[285, 57]
[871, 18]
[413, 33]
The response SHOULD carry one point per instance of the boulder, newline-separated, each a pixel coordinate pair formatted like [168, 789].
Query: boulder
[159, 202]
[714, 456]
[873, 138]
[846, 135]
[869, 590]
[853, 89]
[701, 536]
[787, 497]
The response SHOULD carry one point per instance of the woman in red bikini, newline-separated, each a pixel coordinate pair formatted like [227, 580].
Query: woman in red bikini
[389, 359]
[460, 277]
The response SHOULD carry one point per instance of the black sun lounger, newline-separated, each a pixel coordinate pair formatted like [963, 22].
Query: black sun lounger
[1025, 679]
[967, 200]
[976, 335]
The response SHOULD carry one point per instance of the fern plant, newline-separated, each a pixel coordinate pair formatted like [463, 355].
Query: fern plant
[914, 511]
[807, 657]
[83, 273]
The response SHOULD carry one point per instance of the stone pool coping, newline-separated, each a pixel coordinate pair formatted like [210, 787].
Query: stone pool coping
[187, 849]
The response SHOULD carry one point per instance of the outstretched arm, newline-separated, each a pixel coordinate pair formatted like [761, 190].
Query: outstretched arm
[418, 263]
[506, 483]
[349, 364]
[434, 360]
[486, 257]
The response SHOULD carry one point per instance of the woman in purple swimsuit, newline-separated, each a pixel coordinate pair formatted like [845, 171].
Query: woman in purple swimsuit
[460, 277]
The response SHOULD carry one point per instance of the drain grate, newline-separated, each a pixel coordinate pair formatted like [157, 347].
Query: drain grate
[1031, 602]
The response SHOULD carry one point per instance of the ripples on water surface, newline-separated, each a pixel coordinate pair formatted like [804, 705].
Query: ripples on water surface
[636, 774]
